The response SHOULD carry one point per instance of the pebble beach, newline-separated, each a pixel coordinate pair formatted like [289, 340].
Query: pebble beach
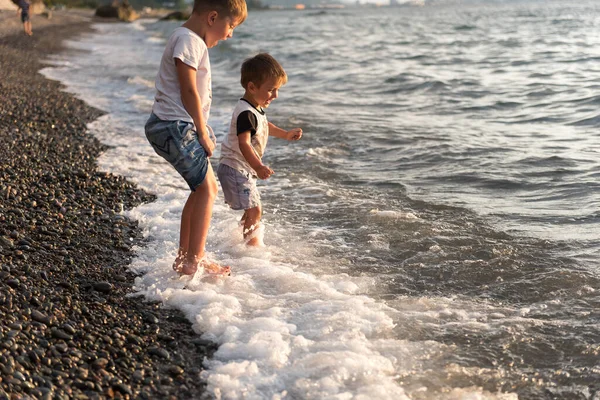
[69, 326]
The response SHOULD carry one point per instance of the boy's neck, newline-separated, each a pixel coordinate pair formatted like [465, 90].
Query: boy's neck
[251, 100]
[197, 23]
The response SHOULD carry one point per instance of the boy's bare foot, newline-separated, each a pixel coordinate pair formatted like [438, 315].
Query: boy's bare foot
[212, 268]
[179, 261]
[188, 269]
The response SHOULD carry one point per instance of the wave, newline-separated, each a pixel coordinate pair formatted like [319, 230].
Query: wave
[589, 121]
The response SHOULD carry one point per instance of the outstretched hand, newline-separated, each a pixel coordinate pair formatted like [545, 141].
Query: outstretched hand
[294, 134]
[264, 172]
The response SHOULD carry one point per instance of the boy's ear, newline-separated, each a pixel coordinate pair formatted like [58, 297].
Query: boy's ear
[251, 86]
[212, 17]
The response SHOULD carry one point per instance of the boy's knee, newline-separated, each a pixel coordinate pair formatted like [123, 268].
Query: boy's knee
[208, 189]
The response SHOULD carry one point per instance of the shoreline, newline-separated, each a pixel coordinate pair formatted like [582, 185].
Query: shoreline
[69, 328]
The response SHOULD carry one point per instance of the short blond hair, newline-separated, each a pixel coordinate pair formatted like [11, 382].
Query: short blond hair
[235, 9]
[261, 67]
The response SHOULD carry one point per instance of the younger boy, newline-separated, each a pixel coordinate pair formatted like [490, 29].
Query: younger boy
[23, 9]
[243, 147]
[177, 127]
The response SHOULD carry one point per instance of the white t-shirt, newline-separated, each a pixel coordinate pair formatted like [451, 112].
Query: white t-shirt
[188, 47]
[245, 118]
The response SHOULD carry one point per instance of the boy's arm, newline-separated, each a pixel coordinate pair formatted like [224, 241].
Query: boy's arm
[249, 154]
[294, 134]
[192, 103]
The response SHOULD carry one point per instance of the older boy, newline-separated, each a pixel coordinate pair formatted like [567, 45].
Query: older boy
[177, 127]
[243, 147]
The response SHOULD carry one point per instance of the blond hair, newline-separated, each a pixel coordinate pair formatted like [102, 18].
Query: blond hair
[261, 67]
[236, 9]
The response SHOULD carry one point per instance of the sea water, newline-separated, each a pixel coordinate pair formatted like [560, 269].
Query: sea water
[434, 233]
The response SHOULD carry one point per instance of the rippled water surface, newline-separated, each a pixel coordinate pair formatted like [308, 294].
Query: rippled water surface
[445, 192]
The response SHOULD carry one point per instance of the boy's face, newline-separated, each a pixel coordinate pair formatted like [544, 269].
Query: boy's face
[220, 29]
[265, 93]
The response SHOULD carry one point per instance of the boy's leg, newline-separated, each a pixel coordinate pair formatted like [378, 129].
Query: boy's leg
[201, 212]
[195, 223]
[251, 224]
[184, 232]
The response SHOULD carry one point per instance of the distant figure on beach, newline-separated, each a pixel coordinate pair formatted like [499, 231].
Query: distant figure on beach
[177, 128]
[23, 10]
[243, 147]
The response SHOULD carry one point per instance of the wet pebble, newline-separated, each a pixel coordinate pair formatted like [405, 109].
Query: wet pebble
[104, 287]
[159, 352]
[60, 334]
[40, 317]
[175, 370]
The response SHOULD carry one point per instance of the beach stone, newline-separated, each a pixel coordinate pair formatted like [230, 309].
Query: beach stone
[14, 283]
[159, 352]
[175, 370]
[69, 329]
[40, 317]
[15, 325]
[104, 287]
[60, 334]
[123, 388]
[138, 375]
[100, 363]
[62, 347]
[203, 343]
[135, 340]
[6, 242]
[150, 318]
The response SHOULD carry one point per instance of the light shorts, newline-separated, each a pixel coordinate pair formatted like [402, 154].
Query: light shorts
[239, 188]
[177, 142]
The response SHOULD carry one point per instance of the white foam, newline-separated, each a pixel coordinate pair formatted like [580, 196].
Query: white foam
[393, 214]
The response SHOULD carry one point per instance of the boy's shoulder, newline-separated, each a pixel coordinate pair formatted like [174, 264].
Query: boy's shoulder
[190, 36]
[243, 105]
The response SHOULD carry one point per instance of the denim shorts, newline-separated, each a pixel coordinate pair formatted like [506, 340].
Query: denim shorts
[239, 188]
[177, 142]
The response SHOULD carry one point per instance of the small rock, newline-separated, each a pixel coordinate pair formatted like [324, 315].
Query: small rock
[135, 340]
[14, 283]
[159, 352]
[123, 388]
[69, 329]
[60, 334]
[138, 375]
[62, 347]
[40, 317]
[150, 318]
[104, 287]
[175, 370]
[15, 325]
[100, 363]
[6, 242]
